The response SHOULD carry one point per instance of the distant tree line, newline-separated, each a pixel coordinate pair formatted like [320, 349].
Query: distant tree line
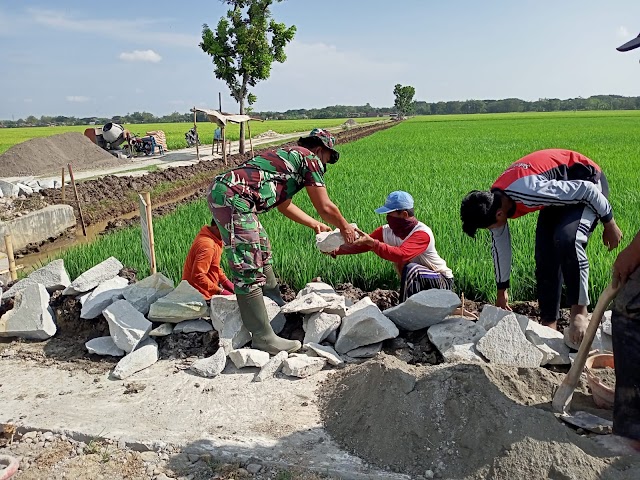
[597, 102]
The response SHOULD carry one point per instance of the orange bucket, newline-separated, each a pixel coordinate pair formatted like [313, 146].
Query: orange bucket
[603, 395]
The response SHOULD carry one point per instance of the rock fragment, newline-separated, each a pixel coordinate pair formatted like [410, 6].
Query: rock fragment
[326, 352]
[52, 276]
[31, 316]
[248, 357]
[193, 326]
[144, 293]
[303, 366]
[310, 303]
[453, 337]
[94, 276]
[102, 296]
[424, 309]
[319, 326]
[127, 326]
[212, 366]
[104, 346]
[505, 344]
[145, 355]
[364, 327]
[183, 303]
[271, 367]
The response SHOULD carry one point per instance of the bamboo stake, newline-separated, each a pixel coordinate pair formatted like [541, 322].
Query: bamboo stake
[147, 199]
[195, 129]
[75, 191]
[462, 298]
[250, 142]
[12, 261]
[224, 145]
[63, 187]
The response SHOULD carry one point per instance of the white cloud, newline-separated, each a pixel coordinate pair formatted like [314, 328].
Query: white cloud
[76, 98]
[623, 32]
[141, 30]
[28, 100]
[140, 56]
[138, 90]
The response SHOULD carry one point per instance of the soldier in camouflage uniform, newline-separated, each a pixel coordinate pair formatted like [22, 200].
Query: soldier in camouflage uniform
[268, 181]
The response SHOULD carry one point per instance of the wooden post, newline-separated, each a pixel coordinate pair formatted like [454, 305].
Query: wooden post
[224, 145]
[12, 261]
[219, 102]
[462, 298]
[249, 132]
[147, 199]
[195, 129]
[63, 186]
[75, 192]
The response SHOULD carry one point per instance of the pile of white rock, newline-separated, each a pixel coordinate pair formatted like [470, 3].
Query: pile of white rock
[26, 186]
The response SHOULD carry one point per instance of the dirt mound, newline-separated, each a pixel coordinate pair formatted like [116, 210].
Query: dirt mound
[47, 155]
[458, 421]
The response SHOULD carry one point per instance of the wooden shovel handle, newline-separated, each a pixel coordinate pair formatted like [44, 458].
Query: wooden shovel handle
[562, 398]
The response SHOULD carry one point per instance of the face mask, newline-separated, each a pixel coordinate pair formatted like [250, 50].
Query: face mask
[401, 227]
[335, 156]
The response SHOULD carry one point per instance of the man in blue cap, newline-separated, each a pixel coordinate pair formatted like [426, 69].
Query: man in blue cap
[408, 243]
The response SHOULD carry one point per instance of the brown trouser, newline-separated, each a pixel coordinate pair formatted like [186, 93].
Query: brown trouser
[625, 324]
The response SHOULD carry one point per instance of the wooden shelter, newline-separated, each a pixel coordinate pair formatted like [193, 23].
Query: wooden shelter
[222, 119]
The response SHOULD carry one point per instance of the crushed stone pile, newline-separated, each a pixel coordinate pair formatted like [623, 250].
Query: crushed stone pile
[47, 155]
[463, 421]
[267, 134]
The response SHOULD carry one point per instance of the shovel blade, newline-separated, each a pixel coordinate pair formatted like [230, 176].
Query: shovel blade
[588, 421]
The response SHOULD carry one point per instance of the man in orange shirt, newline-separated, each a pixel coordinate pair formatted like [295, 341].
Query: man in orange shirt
[202, 266]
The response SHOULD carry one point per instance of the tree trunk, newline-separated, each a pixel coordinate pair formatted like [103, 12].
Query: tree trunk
[241, 144]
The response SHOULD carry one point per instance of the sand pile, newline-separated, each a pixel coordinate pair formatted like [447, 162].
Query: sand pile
[459, 421]
[47, 155]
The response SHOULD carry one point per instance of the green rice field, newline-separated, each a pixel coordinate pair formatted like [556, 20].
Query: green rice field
[438, 159]
[175, 131]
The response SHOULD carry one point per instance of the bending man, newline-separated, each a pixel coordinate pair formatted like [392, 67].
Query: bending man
[571, 192]
[260, 184]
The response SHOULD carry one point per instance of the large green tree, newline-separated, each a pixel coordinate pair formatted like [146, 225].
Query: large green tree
[244, 45]
[404, 99]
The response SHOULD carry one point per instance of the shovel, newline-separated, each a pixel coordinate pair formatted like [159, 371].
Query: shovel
[564, 394]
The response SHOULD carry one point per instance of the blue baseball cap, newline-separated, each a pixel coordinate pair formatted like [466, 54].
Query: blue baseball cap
[396, 201]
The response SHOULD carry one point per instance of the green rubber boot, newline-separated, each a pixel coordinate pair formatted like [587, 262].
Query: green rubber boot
[255, 318]
[270, 288]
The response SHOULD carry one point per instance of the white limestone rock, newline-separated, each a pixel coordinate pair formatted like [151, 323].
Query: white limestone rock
[144, 293]
[329, 241]
[94, 276]
[24, 189]
[212, 366]
[145, 355]
[606, 322]
[549, 341]
[104, 346]
[31, 316]
[162, 331]
[456, 332]
[319, 326]
[336, 305]
[303, 366]
[368, 351]
[127, 326]
[360, 304]
[319, 288]
[183, 303]
[271, 367]
[248, 357]
[226, 319]
[332, 337]
[102, 296]
[8, 189]
[506, 344]
[326, 352]
[310, 303]
[52, 276]
[47, 183]
[364, 327]
[424, 309]
[491, 315]
[193, 326]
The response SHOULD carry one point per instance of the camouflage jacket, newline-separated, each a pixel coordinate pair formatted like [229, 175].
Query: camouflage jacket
[269, 179]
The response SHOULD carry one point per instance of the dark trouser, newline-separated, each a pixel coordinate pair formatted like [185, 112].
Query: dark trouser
[416, 278]
[625, 324]
[561, 238]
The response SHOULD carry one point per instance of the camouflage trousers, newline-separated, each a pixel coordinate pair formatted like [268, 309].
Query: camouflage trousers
[246, 244]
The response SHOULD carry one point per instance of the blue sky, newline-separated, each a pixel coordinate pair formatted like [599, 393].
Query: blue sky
[82, 58]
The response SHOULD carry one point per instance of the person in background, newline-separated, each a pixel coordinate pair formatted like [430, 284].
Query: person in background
[408, 243]
[202, 265]
[570, 191]
[268, 181]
